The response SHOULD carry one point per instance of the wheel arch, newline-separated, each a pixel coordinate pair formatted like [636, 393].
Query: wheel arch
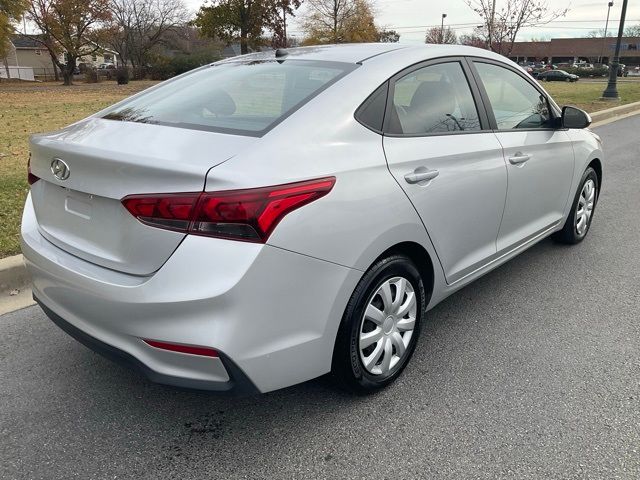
[420, 257]
[596, 164]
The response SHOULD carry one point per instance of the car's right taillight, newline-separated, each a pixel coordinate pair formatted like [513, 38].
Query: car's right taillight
[249, 215]
[31, 178]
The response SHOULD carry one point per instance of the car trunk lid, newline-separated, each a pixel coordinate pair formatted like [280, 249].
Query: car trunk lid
[108, 160]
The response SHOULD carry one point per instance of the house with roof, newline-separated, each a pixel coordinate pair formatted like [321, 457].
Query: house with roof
[27, 51]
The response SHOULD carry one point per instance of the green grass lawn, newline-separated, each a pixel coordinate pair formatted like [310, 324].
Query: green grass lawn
[586, 94]
[31, 108]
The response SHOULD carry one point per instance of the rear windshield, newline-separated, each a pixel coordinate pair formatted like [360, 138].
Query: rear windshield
[239, 98]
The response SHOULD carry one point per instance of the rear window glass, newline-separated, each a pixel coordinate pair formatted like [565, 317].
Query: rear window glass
[240, 98]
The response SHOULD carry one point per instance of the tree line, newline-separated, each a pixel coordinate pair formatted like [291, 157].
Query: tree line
[72, 29]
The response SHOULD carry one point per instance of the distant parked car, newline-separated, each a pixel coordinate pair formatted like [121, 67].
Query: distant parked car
[536, 73]
[557, 76]
[106, 66]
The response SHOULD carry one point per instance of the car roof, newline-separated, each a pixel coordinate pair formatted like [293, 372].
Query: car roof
[362, 52]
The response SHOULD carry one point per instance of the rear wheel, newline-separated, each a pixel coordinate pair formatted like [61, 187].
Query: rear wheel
[579, 220]
[380, 326]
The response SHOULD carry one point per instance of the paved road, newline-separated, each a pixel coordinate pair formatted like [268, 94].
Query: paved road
[531, 372]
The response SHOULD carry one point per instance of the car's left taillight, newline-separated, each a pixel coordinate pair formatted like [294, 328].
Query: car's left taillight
[249, 215]
[31, 178]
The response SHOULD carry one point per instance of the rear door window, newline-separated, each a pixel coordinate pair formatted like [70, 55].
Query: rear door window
[435, 99]
[246, 98]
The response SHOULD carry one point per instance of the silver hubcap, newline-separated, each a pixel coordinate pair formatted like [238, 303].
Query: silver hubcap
[387, 325]
[585, 206]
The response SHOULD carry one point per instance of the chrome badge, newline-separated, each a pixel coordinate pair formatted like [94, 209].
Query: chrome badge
[60, 169]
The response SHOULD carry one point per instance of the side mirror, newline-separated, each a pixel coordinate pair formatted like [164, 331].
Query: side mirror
[573, 117]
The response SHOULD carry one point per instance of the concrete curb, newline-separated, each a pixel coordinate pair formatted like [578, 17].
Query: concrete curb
[620, 110]
[15, 284]
[13, 273]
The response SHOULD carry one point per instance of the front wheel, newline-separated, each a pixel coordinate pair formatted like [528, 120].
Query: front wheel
[380, 326]
[579, 220]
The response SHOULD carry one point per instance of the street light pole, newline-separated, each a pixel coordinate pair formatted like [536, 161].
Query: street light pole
[611, 92]
[491, 20]
[606, 31]
[444, 15]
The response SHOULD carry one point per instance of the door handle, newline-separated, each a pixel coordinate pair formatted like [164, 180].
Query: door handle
[421, 174]
[519, 158]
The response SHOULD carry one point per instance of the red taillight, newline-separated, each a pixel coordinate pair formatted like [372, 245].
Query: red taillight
[31, 178]
[249, 215]
[181, 348]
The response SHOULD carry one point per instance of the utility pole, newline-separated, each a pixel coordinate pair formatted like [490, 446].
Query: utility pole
[284, 24]
[611, 92]
[444, 15]
[491, 21]
[606, 31]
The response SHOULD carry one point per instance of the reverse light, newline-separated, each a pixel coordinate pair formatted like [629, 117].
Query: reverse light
[182, 348]
[249, 215]
[31, 178]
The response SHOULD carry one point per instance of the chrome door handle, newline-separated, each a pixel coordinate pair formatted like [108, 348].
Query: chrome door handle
[519, 158]
[421, 174]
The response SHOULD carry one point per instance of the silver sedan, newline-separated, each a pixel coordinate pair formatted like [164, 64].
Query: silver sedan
[271, 218]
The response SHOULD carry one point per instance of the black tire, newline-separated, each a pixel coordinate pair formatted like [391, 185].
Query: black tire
[347, 366]
[569, 233]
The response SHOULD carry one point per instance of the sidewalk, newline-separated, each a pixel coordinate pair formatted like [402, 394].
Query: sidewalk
[15, 290]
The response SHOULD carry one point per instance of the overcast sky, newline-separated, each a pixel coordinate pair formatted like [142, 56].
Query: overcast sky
[411, 18]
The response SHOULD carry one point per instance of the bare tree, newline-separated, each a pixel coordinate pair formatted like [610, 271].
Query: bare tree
[632, 31]
[501, 24]
[595, 33]
[139, 25]
[472, 40]
[70, 29]
[440, 35]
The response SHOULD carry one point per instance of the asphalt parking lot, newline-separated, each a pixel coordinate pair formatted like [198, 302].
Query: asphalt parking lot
[531, 372]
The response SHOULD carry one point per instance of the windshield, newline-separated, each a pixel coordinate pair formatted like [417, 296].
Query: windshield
[237, 97]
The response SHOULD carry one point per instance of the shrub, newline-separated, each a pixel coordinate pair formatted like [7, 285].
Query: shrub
[167, 67]
[139, 73]
[122, 75]
[91, 76]
[585, 72]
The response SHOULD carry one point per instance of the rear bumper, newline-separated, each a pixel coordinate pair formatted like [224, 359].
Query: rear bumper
[238, 382]
[272, 313]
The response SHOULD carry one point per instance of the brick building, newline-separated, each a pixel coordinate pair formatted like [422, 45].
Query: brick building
[571, 50]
